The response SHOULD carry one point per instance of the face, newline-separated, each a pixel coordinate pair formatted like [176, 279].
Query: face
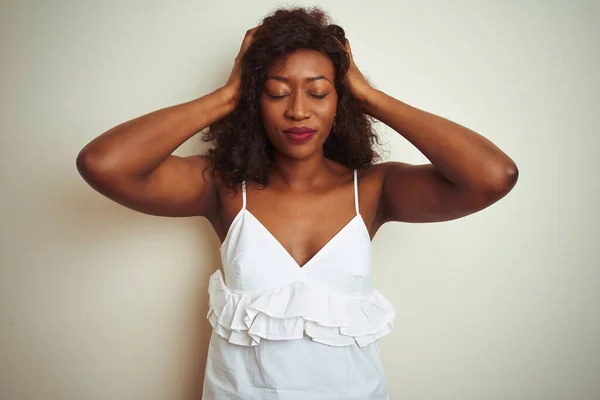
[298, 103]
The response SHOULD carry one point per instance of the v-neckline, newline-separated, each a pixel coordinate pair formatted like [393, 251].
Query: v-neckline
[288, 254]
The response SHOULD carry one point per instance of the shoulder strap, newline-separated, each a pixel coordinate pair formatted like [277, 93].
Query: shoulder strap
[356, 192]
[243, 194]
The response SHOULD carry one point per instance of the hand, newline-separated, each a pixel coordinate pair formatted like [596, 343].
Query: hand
[359, 86]
[235, 78]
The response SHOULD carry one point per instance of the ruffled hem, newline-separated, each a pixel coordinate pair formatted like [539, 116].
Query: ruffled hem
[296, 309]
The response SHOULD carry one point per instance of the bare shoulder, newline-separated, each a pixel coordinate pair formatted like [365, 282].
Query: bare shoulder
[199, 171]
[189, 183]
[370, 185]
[375, 175]
[379, 171]
[375, 171]
[371, 178]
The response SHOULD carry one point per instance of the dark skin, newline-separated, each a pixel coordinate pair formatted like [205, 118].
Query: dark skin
[309, 198]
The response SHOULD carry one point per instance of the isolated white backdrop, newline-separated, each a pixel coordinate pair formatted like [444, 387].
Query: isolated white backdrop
[102, 303]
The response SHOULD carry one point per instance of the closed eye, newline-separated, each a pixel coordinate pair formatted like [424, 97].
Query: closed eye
[276, 96]
[318, 96]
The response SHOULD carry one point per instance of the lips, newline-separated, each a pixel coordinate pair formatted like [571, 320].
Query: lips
[299, 134]
[300, 130]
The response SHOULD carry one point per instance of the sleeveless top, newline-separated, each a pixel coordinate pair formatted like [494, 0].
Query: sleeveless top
[265, 296]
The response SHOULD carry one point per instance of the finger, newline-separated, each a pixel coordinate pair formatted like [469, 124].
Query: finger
[340, 42]
[248, 38]
[348, 49]
[250, 34]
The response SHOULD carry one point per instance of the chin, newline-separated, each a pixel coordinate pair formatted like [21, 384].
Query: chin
[297, 153]
[299, 150]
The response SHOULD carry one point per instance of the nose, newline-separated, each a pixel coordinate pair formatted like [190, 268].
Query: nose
[297, 107]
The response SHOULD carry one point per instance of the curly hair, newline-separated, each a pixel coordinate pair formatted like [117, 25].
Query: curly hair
[242, 149]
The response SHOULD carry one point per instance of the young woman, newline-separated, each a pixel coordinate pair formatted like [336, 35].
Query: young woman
[292, 189]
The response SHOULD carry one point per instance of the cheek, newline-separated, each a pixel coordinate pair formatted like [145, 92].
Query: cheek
[270, 121]
[328, 108]
[330, 102]
[268, 113]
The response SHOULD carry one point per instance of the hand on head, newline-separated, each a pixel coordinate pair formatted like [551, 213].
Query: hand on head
[235, 78]
[358, 84]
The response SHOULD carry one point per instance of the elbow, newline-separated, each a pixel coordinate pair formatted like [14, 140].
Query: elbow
[90, 165]
[502, 180]
[512, 175]
[85, 163]
[509, 177]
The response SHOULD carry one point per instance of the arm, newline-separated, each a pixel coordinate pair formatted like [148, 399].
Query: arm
[132, 162]
[467, 172]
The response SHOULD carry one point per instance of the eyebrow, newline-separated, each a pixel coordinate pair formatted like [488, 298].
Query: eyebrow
[311, 79]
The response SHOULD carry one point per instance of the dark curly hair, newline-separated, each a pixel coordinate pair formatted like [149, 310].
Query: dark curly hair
[242, 149]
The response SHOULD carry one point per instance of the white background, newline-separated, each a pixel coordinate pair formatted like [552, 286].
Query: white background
[98, 302]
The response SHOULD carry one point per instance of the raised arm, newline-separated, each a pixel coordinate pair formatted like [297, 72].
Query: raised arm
[132, 162]
[467, 172]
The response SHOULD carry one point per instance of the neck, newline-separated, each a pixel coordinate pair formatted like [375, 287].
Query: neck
[299, 174]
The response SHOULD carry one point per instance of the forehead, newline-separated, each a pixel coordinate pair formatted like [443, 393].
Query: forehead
[303, 64]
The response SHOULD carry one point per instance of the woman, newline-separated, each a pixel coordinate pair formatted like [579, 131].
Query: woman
[295, 315]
